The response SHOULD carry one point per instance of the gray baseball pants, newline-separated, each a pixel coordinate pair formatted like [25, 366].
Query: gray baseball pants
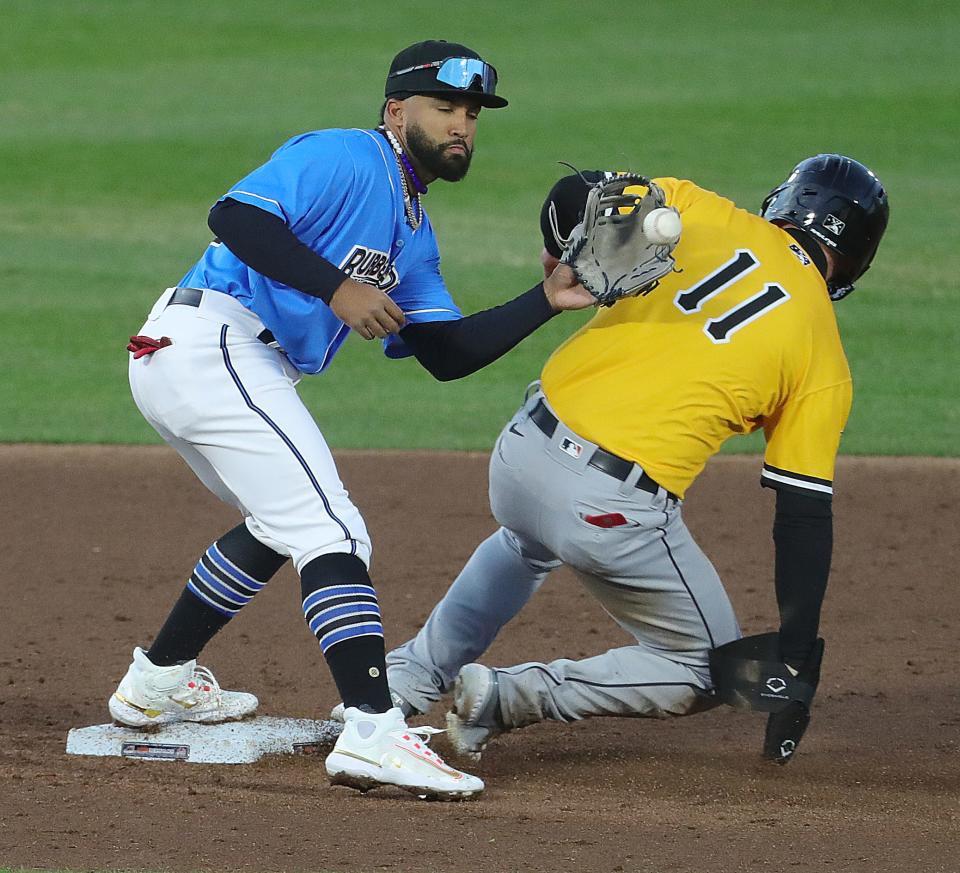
[647, 573]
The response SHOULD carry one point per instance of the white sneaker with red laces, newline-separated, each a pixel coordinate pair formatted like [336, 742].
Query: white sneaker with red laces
[151, 696]
[380, 749]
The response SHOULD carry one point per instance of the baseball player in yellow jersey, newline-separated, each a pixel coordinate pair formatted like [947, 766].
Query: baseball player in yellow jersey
[592, 470]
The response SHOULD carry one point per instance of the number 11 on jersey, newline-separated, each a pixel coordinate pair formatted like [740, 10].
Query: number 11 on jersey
[719, 330]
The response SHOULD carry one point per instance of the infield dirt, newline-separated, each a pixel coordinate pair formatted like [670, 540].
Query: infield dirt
[98, 542]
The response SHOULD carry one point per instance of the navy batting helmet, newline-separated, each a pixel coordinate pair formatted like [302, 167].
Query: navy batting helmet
[840, 202]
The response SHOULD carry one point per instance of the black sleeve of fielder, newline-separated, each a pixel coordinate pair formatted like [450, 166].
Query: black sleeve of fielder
[803, 537]
[454, 349]
[264, 243]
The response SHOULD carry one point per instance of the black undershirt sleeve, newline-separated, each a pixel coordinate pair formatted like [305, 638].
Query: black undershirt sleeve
[454, 349]
[803, 537]
[263, 242]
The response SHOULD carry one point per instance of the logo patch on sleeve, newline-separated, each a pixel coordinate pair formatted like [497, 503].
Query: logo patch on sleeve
[800, 253]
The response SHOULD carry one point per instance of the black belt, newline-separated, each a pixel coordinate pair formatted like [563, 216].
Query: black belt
[193, 296]
[601, 459]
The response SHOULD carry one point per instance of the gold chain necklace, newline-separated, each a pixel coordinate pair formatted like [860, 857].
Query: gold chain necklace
[414, 217]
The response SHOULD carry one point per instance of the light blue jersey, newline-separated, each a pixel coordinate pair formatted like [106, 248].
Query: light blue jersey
[339, 191]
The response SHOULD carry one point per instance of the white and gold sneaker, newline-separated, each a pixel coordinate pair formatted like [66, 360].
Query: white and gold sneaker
[380, 749]
[150, 696]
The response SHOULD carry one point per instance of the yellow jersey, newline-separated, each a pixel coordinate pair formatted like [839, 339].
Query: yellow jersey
[741, 336]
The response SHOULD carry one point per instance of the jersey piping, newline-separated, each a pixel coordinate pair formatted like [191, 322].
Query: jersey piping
[257, 196]
[774, 477]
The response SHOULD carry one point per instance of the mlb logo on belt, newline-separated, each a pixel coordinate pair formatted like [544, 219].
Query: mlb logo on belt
[574, 450]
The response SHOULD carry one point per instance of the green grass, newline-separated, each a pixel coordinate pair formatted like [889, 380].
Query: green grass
[121, 121]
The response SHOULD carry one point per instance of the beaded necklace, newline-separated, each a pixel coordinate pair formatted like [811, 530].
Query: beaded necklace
[411, 205]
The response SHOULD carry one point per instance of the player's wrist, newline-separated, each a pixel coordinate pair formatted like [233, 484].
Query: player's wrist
[550, 295]
[346, 290]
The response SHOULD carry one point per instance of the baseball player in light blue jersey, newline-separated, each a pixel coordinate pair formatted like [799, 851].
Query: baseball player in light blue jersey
[328, 236]
[341, 188]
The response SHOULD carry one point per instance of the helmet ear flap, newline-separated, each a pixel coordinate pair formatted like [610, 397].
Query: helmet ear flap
[846, 271]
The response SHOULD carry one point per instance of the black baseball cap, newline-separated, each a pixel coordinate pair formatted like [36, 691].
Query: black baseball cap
[568, 197]
[442, 68]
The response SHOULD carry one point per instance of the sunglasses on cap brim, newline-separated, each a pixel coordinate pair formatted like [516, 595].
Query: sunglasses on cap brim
[460, 73]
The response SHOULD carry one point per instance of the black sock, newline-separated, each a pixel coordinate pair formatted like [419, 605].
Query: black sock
[225, 579]
[341, 609]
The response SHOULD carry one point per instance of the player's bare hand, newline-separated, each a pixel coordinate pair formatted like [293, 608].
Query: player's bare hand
[366, 310]
[564, 292]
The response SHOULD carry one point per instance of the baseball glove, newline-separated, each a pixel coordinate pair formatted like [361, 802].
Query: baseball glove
[624, 244]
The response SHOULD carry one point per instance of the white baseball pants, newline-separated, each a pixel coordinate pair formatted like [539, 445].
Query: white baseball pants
[228, 404]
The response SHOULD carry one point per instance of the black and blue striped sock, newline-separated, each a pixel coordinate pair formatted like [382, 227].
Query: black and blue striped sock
[221, 584]
[340, 606]
[225, 580]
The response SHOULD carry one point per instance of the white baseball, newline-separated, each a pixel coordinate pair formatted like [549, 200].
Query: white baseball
[662, 226]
